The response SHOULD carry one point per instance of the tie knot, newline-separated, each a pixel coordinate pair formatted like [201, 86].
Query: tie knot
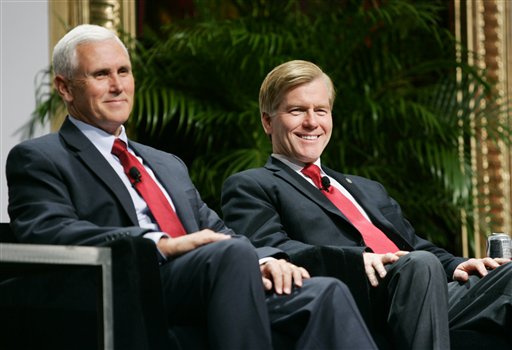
[119, 147]
[313, 171]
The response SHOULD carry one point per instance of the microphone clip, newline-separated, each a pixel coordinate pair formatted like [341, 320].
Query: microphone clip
[135, 175]
[326, 184]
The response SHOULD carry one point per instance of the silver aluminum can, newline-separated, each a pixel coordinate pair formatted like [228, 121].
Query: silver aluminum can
[499, 245]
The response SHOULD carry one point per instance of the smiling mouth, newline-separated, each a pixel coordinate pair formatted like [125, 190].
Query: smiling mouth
[116, 103]
[309, 137]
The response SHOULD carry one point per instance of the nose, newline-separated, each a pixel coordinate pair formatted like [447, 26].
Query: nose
[310, 119]
[116, 84]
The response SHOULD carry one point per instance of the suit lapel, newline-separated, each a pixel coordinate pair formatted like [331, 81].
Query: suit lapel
[170, 182]
[80, 145]
[302, 185]
[284, 172]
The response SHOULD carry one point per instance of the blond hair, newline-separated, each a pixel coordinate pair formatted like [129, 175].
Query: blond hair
[285, 77]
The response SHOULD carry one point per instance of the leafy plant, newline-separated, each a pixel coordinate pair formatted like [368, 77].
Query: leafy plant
[400, 116]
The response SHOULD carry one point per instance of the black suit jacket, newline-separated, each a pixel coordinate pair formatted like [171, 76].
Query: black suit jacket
[63, 191]
[274, 206]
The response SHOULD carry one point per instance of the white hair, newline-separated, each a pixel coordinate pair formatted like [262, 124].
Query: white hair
[64, 53]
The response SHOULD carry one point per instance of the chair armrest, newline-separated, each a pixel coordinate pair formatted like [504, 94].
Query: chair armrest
[31, 272]
[53, 294]
[344, 264]
[139, 313]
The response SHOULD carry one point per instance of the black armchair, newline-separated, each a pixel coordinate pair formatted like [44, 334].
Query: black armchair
[59, 306]
[331, 261]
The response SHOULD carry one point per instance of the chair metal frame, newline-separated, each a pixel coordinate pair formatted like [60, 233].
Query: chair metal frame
[70, 255]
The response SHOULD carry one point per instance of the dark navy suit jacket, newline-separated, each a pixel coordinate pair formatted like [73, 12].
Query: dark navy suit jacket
[275, 206]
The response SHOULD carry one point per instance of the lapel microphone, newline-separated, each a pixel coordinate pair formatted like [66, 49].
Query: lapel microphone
[326, 183]
[135, 174]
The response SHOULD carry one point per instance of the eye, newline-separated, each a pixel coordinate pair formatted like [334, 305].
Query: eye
[101, 74]
[322, 112]
[296, 111]
[124, 71]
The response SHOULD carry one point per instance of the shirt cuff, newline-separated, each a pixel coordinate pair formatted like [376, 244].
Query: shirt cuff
[264, 260]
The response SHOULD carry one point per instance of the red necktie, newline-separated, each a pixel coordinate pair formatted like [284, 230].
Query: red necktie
[373, 237]
[159, 206]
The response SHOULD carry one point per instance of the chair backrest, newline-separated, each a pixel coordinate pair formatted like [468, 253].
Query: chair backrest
[6, 234]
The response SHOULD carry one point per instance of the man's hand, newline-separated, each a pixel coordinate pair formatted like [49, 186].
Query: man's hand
[281, 275]
[171, 247]
[374, 265]
[476, 266]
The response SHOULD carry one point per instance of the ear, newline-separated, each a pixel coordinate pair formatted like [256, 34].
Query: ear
[63, 87]
[266, 121]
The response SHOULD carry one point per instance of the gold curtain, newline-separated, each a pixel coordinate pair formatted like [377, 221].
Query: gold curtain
[484, 27]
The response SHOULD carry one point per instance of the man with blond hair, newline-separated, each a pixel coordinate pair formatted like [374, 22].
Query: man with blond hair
[348, 227]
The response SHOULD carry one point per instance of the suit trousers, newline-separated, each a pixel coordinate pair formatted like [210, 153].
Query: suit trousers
[483, 304]
[322, 314]
[218, 286]
[411, 303]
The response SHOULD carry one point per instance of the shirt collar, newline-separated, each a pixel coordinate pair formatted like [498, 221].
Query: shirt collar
[100, 138]
[295, 164]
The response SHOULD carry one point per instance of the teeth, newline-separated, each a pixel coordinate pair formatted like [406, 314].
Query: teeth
[309, 137]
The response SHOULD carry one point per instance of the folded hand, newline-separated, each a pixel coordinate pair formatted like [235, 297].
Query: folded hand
[282, 275]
